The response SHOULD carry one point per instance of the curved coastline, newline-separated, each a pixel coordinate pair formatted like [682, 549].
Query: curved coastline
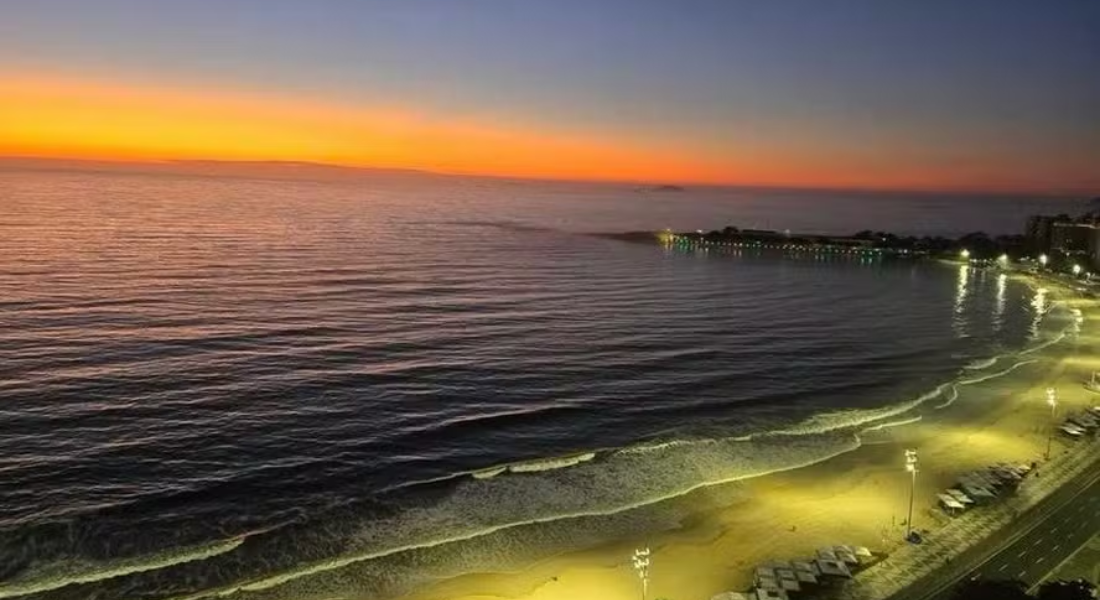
[850, 425]
[843, 429]
[908, 428]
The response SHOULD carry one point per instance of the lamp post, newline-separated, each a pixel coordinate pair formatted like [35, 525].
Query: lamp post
[641, 565]
[1076, 270]
[911, 466]
[1043, 259]
[1052, 400]
[965, 254]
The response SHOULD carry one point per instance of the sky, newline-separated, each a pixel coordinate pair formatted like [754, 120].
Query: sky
[884, 94]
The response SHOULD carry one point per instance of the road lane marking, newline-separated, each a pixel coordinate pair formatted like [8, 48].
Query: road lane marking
[1056, 547]
[1021, 554]
[1002, 567]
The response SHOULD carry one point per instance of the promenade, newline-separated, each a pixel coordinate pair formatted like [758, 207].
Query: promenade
[1008, 539]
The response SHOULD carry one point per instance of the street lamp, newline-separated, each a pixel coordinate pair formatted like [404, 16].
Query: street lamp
[1052, 400]
[641, 565]
[1003, 259]
[911, 466]
[1043, 259]
[1076, 270]
[965, 254]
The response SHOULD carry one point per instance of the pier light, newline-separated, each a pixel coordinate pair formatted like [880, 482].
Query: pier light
[1043, 258]
[641, 565]
[911, 464]
[965, 254]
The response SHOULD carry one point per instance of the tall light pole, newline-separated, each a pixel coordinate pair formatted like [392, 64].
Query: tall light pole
[911, 466]
[1052, 400]
[641, 565]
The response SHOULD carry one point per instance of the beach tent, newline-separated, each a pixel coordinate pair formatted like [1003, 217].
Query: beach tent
[767, 583]
[861, 552]
[734, 596]
[950, 505]
[833, 567]
[1084, 420]
[806, 565]
[765, 571]
[1072, 431]
[790, 585]
[979, 492]
[806, 577]
[845, 554]
[826, 553]
[960, 497]
[763, 594]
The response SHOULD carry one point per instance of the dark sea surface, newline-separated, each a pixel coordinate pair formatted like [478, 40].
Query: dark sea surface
[278, 389]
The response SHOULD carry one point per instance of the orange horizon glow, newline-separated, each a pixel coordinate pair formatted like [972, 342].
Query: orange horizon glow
[75, 118]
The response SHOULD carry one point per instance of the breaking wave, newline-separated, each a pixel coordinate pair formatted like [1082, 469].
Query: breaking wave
[59, 575]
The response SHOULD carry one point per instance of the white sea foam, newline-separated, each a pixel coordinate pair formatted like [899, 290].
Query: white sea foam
[889, 424]
[978, 365]
[488, 473]
[1001, 373]
[623, 482]
[949, 398]
[550, 464]
[1061, 336]
[60, 575]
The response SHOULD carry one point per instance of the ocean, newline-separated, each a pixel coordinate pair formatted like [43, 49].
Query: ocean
[273, 389]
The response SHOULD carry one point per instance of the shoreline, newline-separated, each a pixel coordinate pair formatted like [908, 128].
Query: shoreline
[856, 497]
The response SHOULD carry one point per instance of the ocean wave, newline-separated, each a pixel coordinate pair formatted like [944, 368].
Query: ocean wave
[533, 466]
[621, 482]
[979, 365]
[59, 575]
[949, 398]
[889, 424]
[1058, 338]
[604, 483]
[1001, 373]
[536, 466]
[626, 479]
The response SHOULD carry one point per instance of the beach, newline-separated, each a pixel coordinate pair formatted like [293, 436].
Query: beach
[859, 497]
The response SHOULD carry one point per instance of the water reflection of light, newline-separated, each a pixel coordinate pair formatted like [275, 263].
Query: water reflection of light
[962, 287]
[1039, 304]
[999, 305]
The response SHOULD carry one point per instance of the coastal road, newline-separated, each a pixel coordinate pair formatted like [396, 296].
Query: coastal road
[1028, 549]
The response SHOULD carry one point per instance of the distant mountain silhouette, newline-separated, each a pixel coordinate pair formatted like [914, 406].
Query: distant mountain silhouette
[228, 168]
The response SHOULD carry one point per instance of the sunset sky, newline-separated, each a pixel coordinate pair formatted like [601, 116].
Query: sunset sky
[936, 94]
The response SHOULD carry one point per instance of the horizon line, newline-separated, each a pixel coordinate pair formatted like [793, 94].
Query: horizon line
[30, 162]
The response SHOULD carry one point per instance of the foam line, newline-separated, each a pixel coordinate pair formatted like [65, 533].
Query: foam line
[93, 573]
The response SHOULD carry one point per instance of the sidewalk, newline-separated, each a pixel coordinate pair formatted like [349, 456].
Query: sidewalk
[912, 562]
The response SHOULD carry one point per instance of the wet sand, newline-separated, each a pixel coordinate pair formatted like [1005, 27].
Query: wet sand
[858, 498]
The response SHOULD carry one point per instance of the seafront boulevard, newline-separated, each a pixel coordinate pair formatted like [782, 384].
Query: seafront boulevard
[960, 549]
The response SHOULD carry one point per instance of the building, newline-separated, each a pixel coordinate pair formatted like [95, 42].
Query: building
[1072, 238]
[1040, 232]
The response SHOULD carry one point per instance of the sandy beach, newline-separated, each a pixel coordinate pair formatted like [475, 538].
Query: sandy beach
[859, 497]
